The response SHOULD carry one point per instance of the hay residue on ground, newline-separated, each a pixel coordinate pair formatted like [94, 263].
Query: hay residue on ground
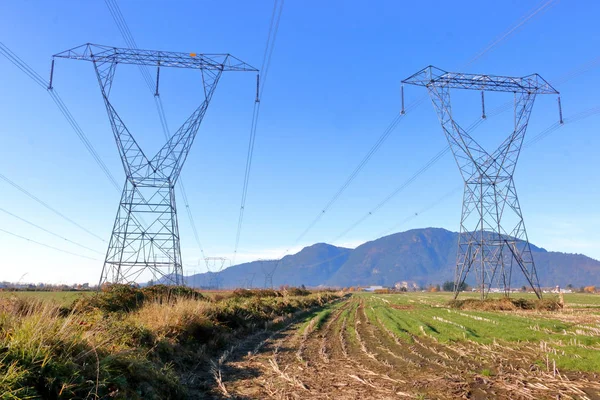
[506, 304]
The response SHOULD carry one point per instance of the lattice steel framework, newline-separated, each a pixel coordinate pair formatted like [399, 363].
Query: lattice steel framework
[249, 281]
[145, 235]
[214, 266]
[268, 268]
[492, 232]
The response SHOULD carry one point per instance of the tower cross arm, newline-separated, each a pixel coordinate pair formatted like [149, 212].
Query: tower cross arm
[100, 53]
[433, 76]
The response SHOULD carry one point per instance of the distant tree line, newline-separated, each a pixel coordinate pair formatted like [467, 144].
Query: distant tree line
[46, 287]
[448, 286]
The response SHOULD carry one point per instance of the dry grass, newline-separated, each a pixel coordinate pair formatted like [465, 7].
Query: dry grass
[128, 345]
[174, 318]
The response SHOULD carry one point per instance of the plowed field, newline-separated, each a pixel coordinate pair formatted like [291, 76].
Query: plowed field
[371, 346]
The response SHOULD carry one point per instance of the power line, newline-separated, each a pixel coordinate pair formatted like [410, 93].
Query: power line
[50, 232]
[386, 232]
[511, 30]
[47, 206]
[121, 23]
[47, 245]
[191, 218]
[386, 133]
[581, 69]
[421, 211]
[399, 189]
[569, 120]
[265, 66]
[270, 45]
[19, 63]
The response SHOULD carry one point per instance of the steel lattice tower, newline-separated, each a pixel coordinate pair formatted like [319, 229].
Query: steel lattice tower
[268, 267]
[214, 267]
[145, 235]
[492, 232]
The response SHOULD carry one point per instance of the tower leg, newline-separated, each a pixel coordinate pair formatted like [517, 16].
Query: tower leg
[145, 239]
[493, 237]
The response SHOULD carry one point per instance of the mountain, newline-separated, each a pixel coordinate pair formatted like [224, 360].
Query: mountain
[420, 255]
[311, 266]
[425, 256]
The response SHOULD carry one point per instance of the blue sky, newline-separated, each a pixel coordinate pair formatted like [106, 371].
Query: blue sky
[332, 89]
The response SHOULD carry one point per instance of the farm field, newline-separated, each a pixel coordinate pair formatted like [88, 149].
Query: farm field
[60, 297]
[413, 345]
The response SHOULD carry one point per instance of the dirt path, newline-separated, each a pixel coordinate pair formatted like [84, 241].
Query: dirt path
[354, 356]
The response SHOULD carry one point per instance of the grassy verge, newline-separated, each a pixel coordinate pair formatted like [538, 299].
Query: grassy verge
[62, 298]
[129, 343]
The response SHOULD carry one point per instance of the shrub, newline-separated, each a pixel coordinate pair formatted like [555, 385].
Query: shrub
[589, 289]
[164, 293]
[448, 286]
[127, 298]
[247, 293]
[294, 291]
[243, 293]
[117, 297]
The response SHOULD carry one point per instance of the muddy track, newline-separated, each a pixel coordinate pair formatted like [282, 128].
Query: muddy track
[354, 355]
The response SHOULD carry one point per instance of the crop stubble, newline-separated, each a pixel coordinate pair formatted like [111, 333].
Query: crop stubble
[371, 348]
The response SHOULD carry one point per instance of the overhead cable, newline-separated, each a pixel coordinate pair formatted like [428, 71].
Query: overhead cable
[19, 63]
[47, 245]
[50, 232]
[265, 66]
[47, 206]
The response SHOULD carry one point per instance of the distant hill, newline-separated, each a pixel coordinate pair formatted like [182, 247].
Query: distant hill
[311, 266]
[425, 256]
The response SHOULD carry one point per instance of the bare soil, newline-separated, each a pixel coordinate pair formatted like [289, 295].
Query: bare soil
[353, 356]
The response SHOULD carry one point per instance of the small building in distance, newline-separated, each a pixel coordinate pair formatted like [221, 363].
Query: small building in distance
[405, 286]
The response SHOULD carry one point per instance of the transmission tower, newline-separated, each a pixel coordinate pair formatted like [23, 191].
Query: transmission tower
[492, 232]
[249, 281]
[145, 236]
[214, 266]
[193, 282]
[268, 268]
